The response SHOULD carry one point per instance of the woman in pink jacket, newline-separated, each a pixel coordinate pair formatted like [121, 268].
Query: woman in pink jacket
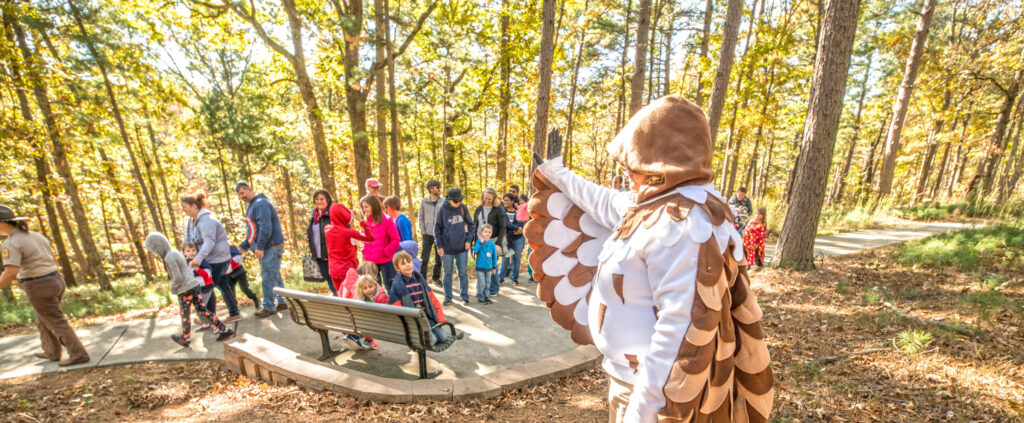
[385, 239]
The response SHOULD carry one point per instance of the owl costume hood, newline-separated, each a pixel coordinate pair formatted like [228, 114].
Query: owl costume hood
[656, 279]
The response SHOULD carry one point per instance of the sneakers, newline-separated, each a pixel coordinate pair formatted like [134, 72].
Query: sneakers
[353, 342]
[42, 355]
[204, 327]
[181, 340]
[265, 313]
[488, 302]
[446, 303]
[373, 345]
[230, 319]
[515, 283]
[226, 335]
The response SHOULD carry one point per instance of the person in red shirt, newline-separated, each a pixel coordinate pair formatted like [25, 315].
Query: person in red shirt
[341, 252]
[753, 239]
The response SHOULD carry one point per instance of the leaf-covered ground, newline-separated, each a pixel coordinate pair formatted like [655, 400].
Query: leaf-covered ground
[863, 339]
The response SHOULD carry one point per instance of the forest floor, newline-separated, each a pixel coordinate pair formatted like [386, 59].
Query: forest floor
[868, 337]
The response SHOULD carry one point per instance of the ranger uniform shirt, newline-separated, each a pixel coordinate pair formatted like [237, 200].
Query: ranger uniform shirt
[29, 251]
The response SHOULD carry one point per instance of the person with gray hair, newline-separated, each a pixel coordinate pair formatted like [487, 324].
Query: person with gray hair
[267, 242]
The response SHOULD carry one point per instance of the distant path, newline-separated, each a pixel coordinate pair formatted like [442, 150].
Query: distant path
[852, 242]
[507, 332]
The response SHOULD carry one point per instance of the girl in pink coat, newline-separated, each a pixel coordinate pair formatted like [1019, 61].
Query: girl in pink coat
[385, 239]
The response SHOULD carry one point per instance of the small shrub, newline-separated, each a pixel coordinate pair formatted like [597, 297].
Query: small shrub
[913, 342]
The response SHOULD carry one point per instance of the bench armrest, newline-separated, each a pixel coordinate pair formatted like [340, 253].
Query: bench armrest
[450, 326]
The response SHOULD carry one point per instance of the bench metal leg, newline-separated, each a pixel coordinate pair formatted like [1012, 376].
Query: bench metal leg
[325, 342]
[422, 355]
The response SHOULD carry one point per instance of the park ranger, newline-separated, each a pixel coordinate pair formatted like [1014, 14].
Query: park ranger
[28, 258]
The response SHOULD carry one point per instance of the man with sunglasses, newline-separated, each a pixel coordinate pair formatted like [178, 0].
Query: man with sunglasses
[453, 229]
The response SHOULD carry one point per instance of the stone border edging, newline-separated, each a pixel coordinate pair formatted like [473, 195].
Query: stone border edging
[261, 359]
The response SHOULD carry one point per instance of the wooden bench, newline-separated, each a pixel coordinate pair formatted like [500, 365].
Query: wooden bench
[401, 325]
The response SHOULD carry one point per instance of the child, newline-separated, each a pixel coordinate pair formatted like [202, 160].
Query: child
[238, 278]
[409, 290]
[392, 208]
[486, 258]
[186, 287]
[385, 238]
[753, 239]
[341, 252]
[522, 213]
[203, 274]
[413, 249]
[370, 292]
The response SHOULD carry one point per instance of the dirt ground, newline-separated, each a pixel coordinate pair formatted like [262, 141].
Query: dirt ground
[860, 340]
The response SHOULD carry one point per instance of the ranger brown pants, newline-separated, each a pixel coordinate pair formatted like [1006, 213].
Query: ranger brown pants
[54, 331]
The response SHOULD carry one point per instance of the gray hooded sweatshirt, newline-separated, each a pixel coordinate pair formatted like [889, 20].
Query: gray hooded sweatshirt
[209, 235]
[178, 270]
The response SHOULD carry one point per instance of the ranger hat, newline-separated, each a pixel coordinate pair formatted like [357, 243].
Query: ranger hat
[7, 215]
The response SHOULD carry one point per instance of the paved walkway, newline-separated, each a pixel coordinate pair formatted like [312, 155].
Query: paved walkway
[516, 329]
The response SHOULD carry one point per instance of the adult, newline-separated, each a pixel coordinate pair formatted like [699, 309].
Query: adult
[373, 188]
[740, 201]
[264, 237]
[453, 232]
[514, 190]
[385, 242]
[28, 258]
[427, 217]
[514, 236]
[319, 221]
[489, 212]
[656, 278]
[204, 230]
[393, 209]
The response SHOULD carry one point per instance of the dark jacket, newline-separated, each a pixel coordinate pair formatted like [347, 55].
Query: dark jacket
[262, 225]
[454, 228]
[399, 292]
[325, 220]
[511, 224]
[497, 221]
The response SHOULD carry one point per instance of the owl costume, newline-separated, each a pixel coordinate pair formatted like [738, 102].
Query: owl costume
[656, 279]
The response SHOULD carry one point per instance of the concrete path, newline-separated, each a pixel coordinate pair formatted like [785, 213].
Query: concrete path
[516, 329]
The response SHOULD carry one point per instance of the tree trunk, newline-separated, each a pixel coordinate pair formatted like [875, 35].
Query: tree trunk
[106, 232]
[839, 186]
[766, 169]
[547, 52]
[133, 230]
[1004, 180]
[42, 171]
[933, 147]
[60, 156]
[899, 111]
[726, 55]
[163, 184]
[84, 266]
[567, 148]
[667, 65]
[796, 242]
[986, 170]
[705, 40]
[620, 111]
[290, 210]
[396, 128]
[101, 63]
[869, 165]
[147, 164]
[504, 95]
[643, 28]
[379, 106]
[731, 160]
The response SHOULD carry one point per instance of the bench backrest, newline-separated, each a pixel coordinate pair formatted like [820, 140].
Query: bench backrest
[382, 322]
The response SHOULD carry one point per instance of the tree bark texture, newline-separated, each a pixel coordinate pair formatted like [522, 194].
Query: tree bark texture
[504, 95]
[705, 40]
[133, 230]
[796, 242]
[547, 52]
[839, 185]
[720, 87]
[163, 184]
[379, 105]
[567, 148]
[643, 28]
[933, 147]
[899, 111]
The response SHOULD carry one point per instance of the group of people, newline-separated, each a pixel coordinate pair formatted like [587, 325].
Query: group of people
[753, 229]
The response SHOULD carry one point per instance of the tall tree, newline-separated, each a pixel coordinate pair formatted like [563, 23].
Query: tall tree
[720, 87]
[839, 184]
[643, 28]
[831, 69]
[547, 54]
[705, 41]
[60, 156]
[899, 110]
[504, 92]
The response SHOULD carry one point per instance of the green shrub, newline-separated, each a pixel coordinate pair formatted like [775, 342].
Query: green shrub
[130, 293]
[967, 248]
[913, 342]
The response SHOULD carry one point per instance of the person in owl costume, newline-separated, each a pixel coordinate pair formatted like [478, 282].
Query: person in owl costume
[656, 277]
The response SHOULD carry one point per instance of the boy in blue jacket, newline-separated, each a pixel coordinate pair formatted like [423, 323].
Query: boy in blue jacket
[237, 277]
[486, 264]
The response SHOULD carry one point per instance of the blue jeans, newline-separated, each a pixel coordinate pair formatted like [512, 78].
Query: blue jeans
[385, 274]
[223, 283]
[439, 334]
[458, 259]
[484, 283]
[270, 269]
[511, 263]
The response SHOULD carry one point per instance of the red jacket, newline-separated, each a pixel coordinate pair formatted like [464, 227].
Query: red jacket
[341, 253]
